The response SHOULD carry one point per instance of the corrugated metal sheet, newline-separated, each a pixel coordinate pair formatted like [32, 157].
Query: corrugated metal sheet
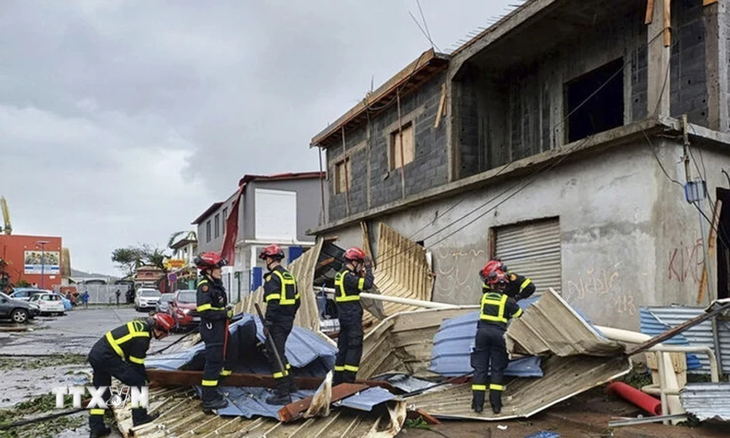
[532, 250]
[707, 400]
[552, 326]
[700, 334]
[402, 271]
[366, 400]
[181, 416]
[578, 359]
[453, 343]
[402, 343]
[651, 326]
[303, 270]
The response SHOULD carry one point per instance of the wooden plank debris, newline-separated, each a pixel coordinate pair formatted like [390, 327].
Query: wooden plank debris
[710, 248]
[193, 378]
[442, 107]
[649, 12]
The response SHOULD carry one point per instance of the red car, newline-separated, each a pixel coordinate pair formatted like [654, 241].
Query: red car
[182, 308]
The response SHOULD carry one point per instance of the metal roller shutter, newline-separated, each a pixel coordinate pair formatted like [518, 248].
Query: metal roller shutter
[532, 250]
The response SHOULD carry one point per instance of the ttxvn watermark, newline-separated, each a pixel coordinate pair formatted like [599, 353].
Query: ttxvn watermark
[138, 396]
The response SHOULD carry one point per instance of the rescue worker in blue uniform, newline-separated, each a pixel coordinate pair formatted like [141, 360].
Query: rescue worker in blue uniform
[495, 311]
[212, 306]
[121, 354]
[355, 278]
[282, 302]
[518, 287]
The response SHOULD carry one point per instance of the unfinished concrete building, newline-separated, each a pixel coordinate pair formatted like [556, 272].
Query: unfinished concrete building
[554, 140]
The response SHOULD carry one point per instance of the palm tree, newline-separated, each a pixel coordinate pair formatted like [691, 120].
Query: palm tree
[173, 238]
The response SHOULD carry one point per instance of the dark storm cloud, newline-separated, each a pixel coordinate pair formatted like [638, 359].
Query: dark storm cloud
[120, 121]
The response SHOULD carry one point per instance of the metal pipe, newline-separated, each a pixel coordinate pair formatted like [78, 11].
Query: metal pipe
[662, 386]
[392, 299]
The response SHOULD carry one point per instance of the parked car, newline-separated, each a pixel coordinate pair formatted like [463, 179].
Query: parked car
[16, 310]
[24, 293]
[163, 306]
[48, 303]
[146, 299]
[182, 308]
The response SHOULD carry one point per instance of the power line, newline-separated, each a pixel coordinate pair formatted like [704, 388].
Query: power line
[535, 173]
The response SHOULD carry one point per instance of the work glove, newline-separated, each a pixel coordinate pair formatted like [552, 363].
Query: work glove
[229, 312]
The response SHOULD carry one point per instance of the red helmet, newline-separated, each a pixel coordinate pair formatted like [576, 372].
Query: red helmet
[163, 321]
[355, 254]
[492, 266]
[209, 260]
[273, 251]
[497, 277]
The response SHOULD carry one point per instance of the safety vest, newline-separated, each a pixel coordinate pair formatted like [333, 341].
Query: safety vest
[288, 295]
[342, 296]
[493, 308]
[121, 335]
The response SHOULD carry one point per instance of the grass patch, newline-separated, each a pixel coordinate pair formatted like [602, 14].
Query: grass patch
[416, 423]
[46, 429]
[35, 363]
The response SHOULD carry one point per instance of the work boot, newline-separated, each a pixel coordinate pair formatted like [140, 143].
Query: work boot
[214, 404]
[140, 417]
[279, 399]
[496, 409]
[477, 402]
[98, 432]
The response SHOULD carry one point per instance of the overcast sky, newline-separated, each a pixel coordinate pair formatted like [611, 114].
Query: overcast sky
[121, 121]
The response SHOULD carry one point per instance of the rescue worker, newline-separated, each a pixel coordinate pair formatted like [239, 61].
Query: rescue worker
[121, 353]
[489, 346]
[355, 278]
[212, 303]
[282, 302]
[518, 287]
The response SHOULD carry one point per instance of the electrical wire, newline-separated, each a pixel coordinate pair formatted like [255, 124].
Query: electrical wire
[534, 174]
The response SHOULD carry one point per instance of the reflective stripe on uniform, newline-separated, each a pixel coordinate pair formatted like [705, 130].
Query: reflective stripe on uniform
[136, 360]
[136, 330]
[226, 373]
[495, 387]
[339, 368]
[272, 297]
[525, 284]
[208, 306]
[279, 375]
[342, 297]
[352, 368]
[517, 314]
[209, 383]
[97, 411]
[288, 367]
[487, 299]
[361, 283]
[478, 387]
[202, 282]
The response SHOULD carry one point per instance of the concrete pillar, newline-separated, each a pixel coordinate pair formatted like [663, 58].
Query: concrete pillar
[717, 19]
[658, 92]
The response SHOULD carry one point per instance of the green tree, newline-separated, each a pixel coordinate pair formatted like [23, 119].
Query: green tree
[128, 259]
[156, 257]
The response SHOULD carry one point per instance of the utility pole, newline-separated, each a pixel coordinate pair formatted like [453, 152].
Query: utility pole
[696, 192]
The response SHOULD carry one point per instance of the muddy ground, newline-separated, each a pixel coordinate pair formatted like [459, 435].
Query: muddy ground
[51, 352]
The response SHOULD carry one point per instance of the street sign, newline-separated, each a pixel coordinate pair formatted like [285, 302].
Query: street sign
[175, 263]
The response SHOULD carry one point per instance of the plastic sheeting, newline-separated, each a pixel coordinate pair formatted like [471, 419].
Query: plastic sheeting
[453, 343]
[308, 354]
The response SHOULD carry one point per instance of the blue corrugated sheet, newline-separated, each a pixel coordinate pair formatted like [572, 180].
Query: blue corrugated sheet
[453, 343]
[308, 354]
[405, 383]
[366, 400]
[652, 326]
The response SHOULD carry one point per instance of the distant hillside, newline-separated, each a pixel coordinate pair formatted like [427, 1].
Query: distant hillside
[81, 274]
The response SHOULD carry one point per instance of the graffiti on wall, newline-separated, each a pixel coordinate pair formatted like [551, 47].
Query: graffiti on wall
[602, 285]
[686, 262]
[457, 273]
